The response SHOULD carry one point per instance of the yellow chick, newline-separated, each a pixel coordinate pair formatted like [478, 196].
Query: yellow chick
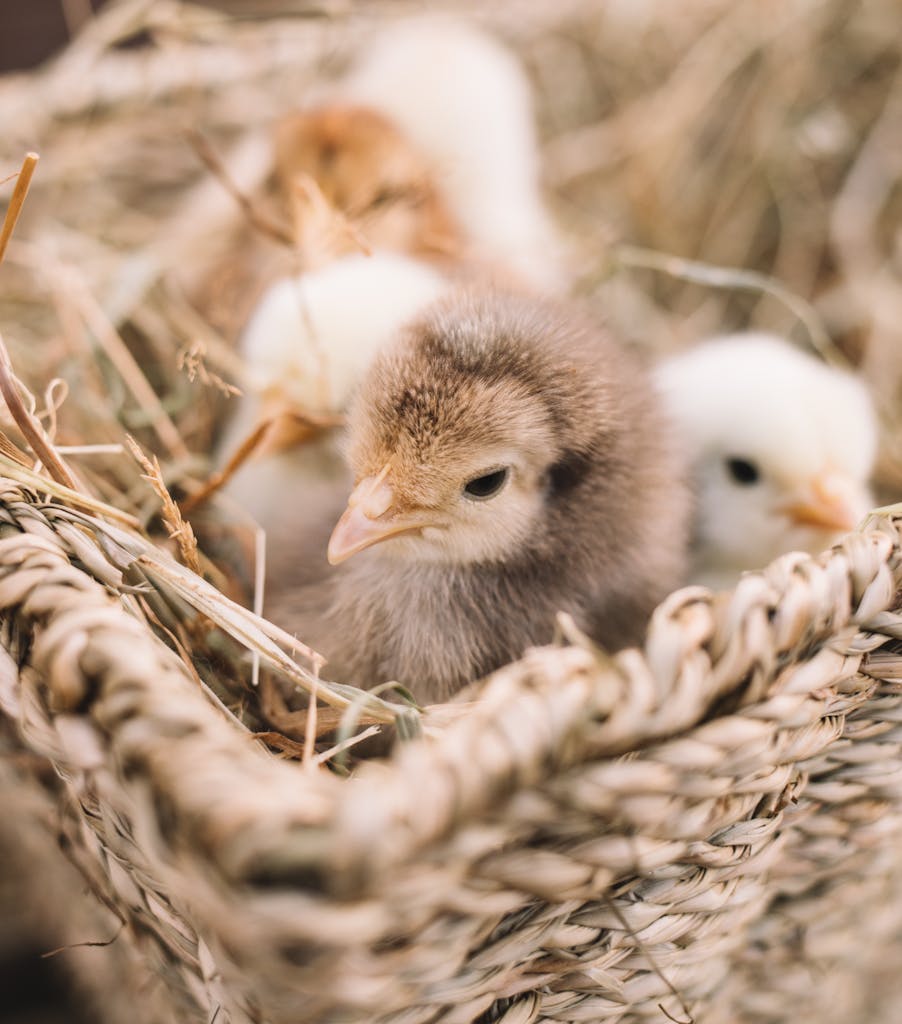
[782, 445]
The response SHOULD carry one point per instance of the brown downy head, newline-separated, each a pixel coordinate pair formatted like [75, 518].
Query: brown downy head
[353, 161]
[499, 428]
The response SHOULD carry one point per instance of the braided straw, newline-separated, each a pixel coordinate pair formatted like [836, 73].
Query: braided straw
[712, 825]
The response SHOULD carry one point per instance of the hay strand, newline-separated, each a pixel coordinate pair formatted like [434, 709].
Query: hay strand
[16, 202]
[34, 433]
[730, 277]
[179, 528]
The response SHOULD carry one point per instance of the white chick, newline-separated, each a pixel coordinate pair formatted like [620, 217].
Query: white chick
[464, 100]
[307, 344]
[782, 447]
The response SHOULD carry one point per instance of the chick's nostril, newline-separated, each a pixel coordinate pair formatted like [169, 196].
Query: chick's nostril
[373, 495]
[377, 502]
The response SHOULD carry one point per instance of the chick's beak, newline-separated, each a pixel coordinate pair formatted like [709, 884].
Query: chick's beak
[829, 502]
[371, 518]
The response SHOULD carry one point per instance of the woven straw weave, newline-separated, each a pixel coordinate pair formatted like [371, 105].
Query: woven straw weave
[718, 816]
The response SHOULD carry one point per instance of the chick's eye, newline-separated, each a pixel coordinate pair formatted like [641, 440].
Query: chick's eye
[743, 471]
[486, 486]
[384, 197]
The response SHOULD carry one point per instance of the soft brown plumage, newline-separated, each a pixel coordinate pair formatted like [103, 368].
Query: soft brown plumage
[352, 160]
[589, 515]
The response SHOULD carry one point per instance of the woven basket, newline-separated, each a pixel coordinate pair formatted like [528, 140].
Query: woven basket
[709, 827]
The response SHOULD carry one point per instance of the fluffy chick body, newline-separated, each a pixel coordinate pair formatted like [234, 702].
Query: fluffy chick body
[452, 585]
[782, 448]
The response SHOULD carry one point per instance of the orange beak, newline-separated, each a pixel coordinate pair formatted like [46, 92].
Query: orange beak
[828, 503]
[371, 518]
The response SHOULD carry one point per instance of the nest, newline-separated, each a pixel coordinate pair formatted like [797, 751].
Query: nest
[708, 829]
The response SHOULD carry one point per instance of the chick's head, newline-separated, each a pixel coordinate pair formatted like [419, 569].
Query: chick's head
[355, 161]
[453, 437]
[784, 447]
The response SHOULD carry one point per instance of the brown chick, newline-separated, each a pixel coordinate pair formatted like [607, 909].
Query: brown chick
[357, 161]
[510, 462]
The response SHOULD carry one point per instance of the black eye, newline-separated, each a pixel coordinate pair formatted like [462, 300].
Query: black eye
[487, 486]
[743, 471]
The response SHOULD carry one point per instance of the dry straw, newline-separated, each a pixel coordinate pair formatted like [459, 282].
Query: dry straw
[706, 829]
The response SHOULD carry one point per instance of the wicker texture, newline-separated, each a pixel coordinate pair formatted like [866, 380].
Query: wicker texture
[720, 813]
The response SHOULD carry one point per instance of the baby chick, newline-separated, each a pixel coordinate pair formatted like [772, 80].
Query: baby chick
[510, 461]
[783, 448]
[306, 345]
[465, 102]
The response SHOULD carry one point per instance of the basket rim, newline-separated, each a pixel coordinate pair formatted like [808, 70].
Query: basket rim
[552, 710]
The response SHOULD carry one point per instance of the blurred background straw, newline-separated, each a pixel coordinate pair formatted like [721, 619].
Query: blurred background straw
[759, 136]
